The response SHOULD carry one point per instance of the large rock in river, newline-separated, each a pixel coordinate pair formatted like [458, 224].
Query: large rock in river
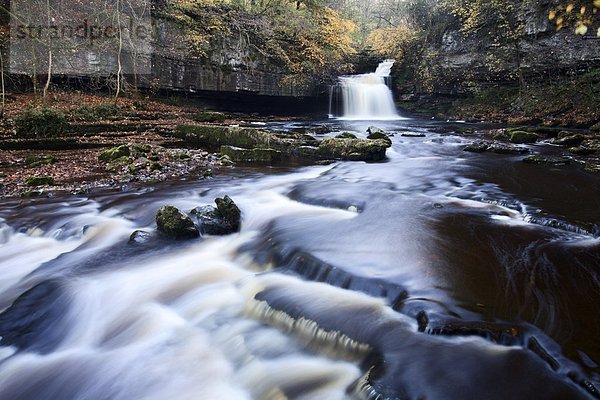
[174, 224]
[221, 220]
[353, 149]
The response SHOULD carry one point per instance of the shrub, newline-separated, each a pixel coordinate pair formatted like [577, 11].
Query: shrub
[46, 122]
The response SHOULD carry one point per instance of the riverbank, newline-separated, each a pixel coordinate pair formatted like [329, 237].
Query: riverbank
[572, 103]
[72, 162]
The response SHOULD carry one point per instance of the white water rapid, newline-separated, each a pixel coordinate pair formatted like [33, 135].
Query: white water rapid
[366, 96]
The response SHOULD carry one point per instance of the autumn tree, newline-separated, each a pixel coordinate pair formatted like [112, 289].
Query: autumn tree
[582, 15]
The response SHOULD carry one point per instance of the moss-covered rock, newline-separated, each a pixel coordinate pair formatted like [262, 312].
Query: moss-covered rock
[229, 211]
[380, 135]
[156, 166]
[39, 159]
[346, 135]
[209, 116]
[222, 220]
[114, 153]
[39, 181]
[477, 147]
[373, 130]
[216, 136]
[520, 137]
[582, 151]
[141, 148]
[353, 149]
[569, 140]
[174, 224]
[251, 155]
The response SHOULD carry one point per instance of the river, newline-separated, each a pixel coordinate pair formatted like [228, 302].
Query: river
[438, 274]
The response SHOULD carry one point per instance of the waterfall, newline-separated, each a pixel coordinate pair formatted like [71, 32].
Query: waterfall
[365, 96]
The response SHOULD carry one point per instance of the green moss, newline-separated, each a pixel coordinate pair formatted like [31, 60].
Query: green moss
[523, 137]
[211, 135]
[114, 153]
[39, 181]
[352, 149]
[174, 224]
[156, 167]
[40, 159]
[346, 135]
[263, 155]
[381, 136]
[141, 148]
[207, 116]
[46, 122]
[229, 211]
[569, 140]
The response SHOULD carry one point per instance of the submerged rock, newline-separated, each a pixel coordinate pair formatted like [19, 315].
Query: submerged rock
[174, 224]
[221, 220]
[139, 237]
[506, 149]
[413, 134]
[477, 147]
[548, 160]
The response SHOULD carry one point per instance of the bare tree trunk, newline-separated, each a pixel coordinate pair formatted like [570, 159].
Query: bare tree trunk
[119, 52]
[49, 72]
[2, 83]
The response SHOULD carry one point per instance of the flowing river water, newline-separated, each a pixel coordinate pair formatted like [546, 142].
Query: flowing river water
[437, 274]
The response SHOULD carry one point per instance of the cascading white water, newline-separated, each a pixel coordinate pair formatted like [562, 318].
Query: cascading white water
[367, 96]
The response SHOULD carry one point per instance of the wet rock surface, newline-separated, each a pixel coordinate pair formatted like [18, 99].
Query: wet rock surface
[174, 224]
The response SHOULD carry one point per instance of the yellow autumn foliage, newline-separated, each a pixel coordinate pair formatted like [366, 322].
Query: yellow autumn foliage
[391, 42]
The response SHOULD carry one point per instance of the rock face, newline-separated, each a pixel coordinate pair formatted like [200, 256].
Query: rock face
[221, 220]
[463, 62]
[174, 224]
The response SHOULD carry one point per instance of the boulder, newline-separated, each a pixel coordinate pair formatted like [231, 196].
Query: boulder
[139, 237]
[520, 137]
[353, 149]
[569, 140]
[114, 153]
[346, 135]
[373, 129]
[216, 136]
[229, 211]
[380, 136]
[174, 224]
[221, 220]
[477, 147]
